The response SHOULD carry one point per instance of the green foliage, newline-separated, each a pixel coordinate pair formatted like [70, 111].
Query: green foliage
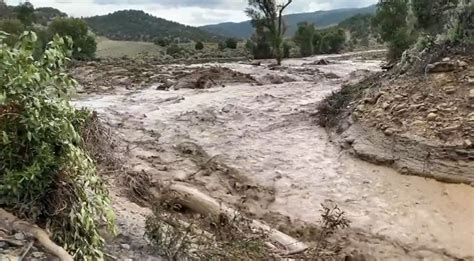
[268, 16]
[359, 27]
[44, 15]
[132, 25]
[174, 50]
[85, 45]
[225, 239]
[45, 174]
[231, 43]
[261, 48]
[430, 14]
[249, 45]
[332, 41]
[25, 13]
[14, 28]
[286, 49]
[304, 38]
[4, 10]
[390, 22]
[199, 46]
[221, 46]
[163, 42]
[463, 27]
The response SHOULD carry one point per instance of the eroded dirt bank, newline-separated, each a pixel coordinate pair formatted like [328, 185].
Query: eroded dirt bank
[270, 156]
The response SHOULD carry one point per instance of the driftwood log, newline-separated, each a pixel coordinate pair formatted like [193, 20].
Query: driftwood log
[203, 204]
[12, 224]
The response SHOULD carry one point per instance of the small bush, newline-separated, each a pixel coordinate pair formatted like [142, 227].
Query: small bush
[163, 42]
[231, 43]
[199, 46]
[174, 50]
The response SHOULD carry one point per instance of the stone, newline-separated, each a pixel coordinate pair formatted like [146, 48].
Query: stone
[37, 254]
[125, 246]
[360, 107]
[19, 236]
[446, 59]
[431, 116]
[449, 89]
[451, 128]
[227, 108]
[462, 64]
[440, 67]
[255, 63]
[471, 94]
[2, 244]
[468, 143]
[385, 105]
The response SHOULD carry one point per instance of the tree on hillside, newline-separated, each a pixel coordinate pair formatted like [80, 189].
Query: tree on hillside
[4, 11]
[269, 15]
[25, 13]
[390, 22]
[44, 15]
[430, 14]
[304, 38]
[85, 45]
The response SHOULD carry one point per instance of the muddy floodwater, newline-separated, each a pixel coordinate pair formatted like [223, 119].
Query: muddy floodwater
[268, 132]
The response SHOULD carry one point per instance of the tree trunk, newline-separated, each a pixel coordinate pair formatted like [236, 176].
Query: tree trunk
[206, 205]
[12, 224]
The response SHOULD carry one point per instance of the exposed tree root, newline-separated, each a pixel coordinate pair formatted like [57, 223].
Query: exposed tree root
[11, 223]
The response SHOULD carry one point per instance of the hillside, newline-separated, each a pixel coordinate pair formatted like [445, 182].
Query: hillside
[319, 18]
[133, 25]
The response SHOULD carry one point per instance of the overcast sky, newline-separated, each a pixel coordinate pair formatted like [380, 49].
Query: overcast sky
[190, 12]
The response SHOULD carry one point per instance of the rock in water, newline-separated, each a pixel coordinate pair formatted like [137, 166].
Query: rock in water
[440, 67]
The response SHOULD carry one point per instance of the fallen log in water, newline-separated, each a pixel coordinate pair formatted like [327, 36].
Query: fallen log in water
[203, 204]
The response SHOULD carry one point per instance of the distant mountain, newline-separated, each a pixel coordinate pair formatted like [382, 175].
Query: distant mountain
[133, 25]
[320, 18]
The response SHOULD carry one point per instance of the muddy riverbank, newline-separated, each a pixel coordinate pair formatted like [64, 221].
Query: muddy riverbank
[287, 164]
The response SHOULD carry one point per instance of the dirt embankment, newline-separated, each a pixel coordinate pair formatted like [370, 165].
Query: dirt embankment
[418, 124]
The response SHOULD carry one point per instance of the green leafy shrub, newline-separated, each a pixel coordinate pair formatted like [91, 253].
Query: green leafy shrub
[45, 175]
[199, 46]
[304, 38]
[174, 50]
[25, 13]
[14, 28]
[231, 43]
[390, 22]
[163, 42]
[85, 45]
[332, 41]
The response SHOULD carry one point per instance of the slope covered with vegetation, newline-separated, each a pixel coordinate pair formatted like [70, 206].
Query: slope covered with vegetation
[319, 18]
[133, 25]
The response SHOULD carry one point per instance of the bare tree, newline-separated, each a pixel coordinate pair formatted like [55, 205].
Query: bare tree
[268, 14]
